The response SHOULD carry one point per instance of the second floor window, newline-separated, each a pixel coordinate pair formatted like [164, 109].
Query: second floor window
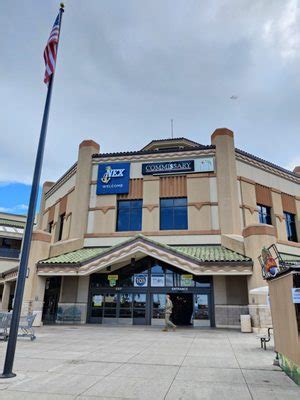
[290, 227]
[61, 226]
[50, 227]
[264, 214]
[129, 215]
[173, 213]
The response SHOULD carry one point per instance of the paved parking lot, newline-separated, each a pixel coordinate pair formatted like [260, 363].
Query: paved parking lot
[92, 362]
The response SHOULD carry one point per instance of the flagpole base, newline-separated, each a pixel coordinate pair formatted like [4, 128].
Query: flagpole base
[7, 376]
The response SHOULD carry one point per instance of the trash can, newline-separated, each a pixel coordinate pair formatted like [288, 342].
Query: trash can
[246, 323]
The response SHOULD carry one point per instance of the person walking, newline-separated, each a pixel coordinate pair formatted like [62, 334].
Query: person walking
[168, 312]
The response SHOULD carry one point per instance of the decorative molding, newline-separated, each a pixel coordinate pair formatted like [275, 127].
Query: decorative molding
[289, 243]
[250, 208]
[268, 168]
[201, 175]
[155, 233]
[150, 207]
[104, 209]
[199, 204]
[280, 217]
[246, 180]
[41, 236]
[159, 155]
[70, 172]
[276, 190]
[58, 200]
[259, 229]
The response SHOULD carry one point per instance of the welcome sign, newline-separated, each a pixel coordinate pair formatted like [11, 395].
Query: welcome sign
[113, 178]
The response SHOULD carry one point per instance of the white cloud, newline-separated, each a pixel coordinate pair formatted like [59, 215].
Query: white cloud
[282, 31]
[124, 70]
[18, 209]
[295, 162]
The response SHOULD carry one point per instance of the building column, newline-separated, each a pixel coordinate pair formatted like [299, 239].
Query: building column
[33, 299]
[46, 187]
[5, 296]
[150, 217]
[227, 184]
[256, 237]
[277, 214]
[81, 197]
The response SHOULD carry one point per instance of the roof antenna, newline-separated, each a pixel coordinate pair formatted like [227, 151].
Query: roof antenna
[172, 132]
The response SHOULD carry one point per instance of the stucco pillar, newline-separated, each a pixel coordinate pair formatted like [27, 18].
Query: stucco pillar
[229, 208]
[82, 190]
[46, 187]
[277, 215]
[150, 204]
[257, 236]
[5, 296]
[33, 299]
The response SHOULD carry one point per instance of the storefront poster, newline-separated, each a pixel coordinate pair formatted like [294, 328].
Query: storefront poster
[113, 280]
[296, 295]
[187, 280]
[140, 280]
[97, 300]
[158, 280]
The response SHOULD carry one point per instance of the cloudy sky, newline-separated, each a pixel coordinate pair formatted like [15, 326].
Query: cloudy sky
[126, 67]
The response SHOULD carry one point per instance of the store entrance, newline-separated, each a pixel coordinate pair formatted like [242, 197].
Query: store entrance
[182, 309]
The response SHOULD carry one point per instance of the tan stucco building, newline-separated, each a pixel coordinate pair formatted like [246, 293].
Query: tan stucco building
[118, 231]
[11, 233]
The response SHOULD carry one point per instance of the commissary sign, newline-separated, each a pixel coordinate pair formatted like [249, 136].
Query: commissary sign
[168, 167]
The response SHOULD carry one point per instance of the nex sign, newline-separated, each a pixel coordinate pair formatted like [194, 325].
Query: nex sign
[113, 178]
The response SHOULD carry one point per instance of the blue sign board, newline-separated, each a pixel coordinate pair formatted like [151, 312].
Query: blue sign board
[169, 167]
[113, 178]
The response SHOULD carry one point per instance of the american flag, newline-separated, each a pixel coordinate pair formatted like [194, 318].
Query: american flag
[51, 51]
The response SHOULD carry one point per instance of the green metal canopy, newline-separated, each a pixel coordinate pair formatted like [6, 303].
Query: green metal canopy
[200, 253]
[12, 223]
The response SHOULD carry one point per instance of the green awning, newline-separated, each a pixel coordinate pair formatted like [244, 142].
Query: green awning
[12, 223]
[200, 253]
[291, 259]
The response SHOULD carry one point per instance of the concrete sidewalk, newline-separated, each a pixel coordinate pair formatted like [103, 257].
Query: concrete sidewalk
[98, 362]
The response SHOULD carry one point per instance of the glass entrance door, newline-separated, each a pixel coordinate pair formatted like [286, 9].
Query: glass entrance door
[201, 310]
[96, 313]
[139, 308]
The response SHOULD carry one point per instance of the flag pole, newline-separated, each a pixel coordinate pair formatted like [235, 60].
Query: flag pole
[14, 326]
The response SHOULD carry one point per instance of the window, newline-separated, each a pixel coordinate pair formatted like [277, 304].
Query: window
[50, 226]
[264, 214]
[129, 215]
[290, 226]
[173, 213]
[61, 226]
